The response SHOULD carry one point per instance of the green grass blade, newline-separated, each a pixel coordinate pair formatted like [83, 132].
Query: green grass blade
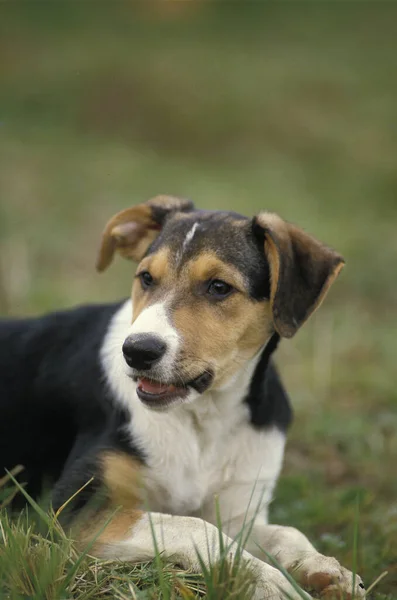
[275, 563]
[42, 514]
[355, 545]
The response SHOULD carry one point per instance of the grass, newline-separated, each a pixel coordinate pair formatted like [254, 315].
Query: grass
[34, 565]
[290, 108]
[38, 560]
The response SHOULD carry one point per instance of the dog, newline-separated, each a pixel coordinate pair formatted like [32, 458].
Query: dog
[161, 403]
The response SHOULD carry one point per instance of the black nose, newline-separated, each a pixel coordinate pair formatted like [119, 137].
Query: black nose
[141, 351]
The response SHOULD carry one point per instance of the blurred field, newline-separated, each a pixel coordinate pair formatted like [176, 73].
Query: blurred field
[291, 108]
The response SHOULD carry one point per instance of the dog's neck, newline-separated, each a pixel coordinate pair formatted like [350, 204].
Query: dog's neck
[241, 388]
[215, 403]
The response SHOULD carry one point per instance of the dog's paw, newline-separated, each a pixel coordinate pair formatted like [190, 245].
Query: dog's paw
[329, 579]
[274, 586]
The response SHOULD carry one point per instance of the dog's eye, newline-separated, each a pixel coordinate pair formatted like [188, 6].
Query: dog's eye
[219, 289]
[146, 279]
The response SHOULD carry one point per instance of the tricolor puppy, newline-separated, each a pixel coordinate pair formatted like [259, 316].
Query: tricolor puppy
[169, 400]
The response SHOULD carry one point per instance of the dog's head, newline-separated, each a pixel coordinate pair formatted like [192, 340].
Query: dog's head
[210, 290]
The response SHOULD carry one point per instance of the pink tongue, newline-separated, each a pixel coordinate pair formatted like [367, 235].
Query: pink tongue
[152, 387]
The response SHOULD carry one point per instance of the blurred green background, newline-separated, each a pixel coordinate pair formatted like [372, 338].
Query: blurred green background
[249, 106]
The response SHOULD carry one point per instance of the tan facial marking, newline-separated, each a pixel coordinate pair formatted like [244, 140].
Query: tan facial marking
[258, 316]
[159, 267]
[158, 264]
[221, 334]
[208, 266]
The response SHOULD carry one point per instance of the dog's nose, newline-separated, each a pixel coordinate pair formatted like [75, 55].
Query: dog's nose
[141, 351]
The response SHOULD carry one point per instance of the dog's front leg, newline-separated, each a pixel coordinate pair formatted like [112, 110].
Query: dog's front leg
[295, 553]
[130, 536]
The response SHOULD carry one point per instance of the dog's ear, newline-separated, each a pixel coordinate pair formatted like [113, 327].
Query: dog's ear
[301, 271]
[131, 231]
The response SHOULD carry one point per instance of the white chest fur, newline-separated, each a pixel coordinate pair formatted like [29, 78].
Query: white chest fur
[199, 450]
[190, 465]
[190, 454]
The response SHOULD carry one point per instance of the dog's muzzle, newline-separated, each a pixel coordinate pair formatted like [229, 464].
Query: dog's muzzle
[142, 351]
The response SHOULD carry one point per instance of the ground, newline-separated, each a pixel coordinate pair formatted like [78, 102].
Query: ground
[290, 108]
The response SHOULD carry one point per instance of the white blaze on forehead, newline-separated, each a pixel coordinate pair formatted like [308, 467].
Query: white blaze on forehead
[190, 235]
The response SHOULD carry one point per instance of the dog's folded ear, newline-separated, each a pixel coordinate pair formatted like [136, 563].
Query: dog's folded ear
[131, 231]
[301, 271]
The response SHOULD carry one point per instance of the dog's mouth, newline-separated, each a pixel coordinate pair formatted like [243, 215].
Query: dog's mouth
[160, 395]
[154, 393]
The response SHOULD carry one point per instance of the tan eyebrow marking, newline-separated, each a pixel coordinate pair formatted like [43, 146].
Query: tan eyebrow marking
[158, 264]
[160, 268]
[207, 265]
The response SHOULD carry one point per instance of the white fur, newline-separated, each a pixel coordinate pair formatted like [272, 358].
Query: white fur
[154, 320]
[203, 447]
[182, 539]
[201, 451]
[189, 236]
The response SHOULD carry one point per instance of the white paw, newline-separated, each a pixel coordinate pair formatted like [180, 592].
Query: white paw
[327, 577]
[275, 586]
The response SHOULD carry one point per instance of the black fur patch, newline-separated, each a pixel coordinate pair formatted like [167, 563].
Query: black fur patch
[219, 232]
[53, 398]
[267, 399]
